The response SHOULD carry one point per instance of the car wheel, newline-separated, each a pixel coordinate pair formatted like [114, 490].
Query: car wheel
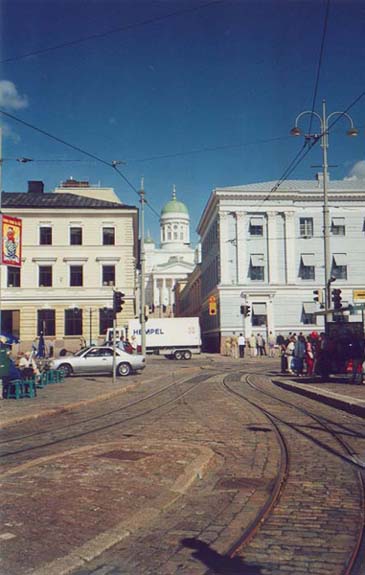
[66, 369]
[124, 369]
[187, 354]
[178, 355]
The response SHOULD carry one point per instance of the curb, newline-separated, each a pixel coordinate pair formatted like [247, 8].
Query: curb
[87, 552]
[68, 406]
[348, 404]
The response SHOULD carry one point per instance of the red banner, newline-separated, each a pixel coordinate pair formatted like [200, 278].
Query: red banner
[11, 248]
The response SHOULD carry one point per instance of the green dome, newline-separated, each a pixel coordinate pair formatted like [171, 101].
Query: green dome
[174, 206]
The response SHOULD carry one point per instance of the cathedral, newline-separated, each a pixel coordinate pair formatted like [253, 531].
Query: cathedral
[173, 260]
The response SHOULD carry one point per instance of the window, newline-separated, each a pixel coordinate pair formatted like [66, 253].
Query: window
[108, 236]
[338, 226]
[307, 267]
[46, 322]
[73, 321]
[108, 275]
[257, 269]
[106, 317]
[76, 276]
[257, 226]
[308, 313]
[45, 236]
[306, 227]
[75, 236]
[13, 277]
[45, 276]
[339, 266]
[259, 314]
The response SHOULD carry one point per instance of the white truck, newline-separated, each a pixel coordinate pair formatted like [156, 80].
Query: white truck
[175, 337]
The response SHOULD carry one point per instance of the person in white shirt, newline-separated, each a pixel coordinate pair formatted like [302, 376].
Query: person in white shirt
[242, 345]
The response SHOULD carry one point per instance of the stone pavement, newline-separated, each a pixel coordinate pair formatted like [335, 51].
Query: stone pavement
[110, 512]
[77, 391]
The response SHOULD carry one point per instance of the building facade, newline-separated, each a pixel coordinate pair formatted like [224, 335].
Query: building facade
[77, 248]
[263, 247]
[173, 260]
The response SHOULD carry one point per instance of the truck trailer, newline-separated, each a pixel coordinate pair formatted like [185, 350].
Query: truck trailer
[175, 337]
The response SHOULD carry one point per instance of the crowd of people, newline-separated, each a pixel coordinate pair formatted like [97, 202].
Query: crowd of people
[235, 346]
[301, 354]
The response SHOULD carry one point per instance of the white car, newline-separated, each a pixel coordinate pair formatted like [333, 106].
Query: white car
[94, 360]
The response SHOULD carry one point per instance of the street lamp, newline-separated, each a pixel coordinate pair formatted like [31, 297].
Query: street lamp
[295, 131]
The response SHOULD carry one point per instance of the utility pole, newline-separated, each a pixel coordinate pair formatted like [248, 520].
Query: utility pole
[143, 272]
[326, 212]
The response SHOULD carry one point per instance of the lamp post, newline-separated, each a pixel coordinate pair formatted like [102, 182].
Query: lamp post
[326, 214]
[143, 272]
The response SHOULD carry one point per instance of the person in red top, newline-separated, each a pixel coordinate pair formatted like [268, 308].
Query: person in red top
[309, 357]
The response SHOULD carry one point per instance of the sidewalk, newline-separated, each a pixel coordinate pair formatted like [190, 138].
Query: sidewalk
[78, 391]
[338, 392]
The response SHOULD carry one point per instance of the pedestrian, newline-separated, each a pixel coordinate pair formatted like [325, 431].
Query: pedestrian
[242, 345]
[283, 358]
[289, 351]
[271, 343]
[52, 348]
[309, 357]
[253, 345]
[227, 346]
[260, 344]
[299, 355]
[234, 346]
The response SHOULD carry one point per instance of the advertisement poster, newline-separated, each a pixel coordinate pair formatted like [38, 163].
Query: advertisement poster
[11, 249]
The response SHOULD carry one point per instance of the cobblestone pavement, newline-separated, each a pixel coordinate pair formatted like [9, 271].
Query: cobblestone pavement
[190, 465]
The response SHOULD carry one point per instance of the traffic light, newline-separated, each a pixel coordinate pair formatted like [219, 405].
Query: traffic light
[318, 296]
[118, 301]
[245, 310]
[336, 298]
[213, 308]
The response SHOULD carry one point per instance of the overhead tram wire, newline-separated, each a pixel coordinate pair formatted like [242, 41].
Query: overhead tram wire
[111, 164]
[111, 31]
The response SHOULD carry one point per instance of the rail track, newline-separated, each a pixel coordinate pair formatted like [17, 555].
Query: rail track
[274, 517]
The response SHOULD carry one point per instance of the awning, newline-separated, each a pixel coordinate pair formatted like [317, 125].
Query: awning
[257, 221]
[259, 308]
[309, 307]
[257, 260]
[340, 259]
[338, 221]
[308, 260]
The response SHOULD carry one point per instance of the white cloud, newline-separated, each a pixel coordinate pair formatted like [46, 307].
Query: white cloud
[357, 171]
[10, 97]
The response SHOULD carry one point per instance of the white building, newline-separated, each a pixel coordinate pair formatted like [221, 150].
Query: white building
[264, 248]
[77, 247]
[173, 260]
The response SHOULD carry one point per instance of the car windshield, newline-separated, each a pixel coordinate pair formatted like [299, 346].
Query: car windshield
[81, 351]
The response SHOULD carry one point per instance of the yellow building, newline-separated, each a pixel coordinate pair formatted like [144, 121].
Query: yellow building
[77, 247]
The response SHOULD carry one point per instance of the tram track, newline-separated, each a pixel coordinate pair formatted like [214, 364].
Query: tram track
[47, 438]
[354, 560]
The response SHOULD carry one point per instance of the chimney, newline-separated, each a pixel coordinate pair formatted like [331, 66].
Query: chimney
[35, 187]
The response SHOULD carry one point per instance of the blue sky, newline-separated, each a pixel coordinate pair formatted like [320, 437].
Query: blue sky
[190, 93]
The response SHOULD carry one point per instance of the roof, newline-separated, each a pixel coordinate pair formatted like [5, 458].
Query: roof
[57, 201]
[299, 185]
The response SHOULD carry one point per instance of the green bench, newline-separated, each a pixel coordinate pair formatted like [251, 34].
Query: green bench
[19, 388]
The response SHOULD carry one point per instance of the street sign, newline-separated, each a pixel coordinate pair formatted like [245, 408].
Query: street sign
[358, 294]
